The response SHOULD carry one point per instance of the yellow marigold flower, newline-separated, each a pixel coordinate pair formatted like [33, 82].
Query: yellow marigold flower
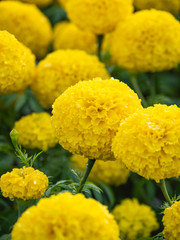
[68, 35]
[135, 220]
[171, 221]
[87, 116]
[24, 183]
[40, 3]
[17, 64]
[148, 142]
[61, 69]
[29, 25]
[66, 216]
[63, 2]
[172, 6]
[112, 173]
[99, 16]
[137, 43]
[35, 131]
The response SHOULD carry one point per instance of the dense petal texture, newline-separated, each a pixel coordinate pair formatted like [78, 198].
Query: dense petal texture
[62, 69]
[172, 6]
[86, 116]
[23, 183]
[142, 42]
[135, 220]
[68, 35]
[112, 173]
[40, 3]
[17, 64]
[67, 217]
[98, 16]
[148, 142]
[171, 222]
[35, 131]
[25, 21]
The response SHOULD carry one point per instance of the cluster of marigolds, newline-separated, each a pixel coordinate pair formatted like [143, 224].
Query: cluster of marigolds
[93, 115]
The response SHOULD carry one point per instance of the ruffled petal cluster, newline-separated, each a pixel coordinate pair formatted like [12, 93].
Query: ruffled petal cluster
[62, 69]
[68, 36]
[40, 3]
[100, 16]
[35, 131]
[86, 116]
[23, 183]
[29, 25]
[148, 142]
[135, 220]
[112, 173]
[142, 42]
[17, 64]
[172, 6]
[171, 222]
[68, 217]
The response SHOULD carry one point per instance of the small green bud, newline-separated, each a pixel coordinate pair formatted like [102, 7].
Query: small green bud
[14, 136]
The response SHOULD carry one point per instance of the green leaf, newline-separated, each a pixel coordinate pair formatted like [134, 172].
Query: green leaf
[6, 237]
[90, 185]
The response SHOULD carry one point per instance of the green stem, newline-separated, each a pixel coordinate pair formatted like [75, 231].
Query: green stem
[100, 41]
[89, 166]
[23, 205]
[165, 192]
[138, 91]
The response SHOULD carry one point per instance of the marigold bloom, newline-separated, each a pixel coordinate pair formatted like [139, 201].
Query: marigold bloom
[171, 221]
[137, 43]
[87, 116]
[17, 64]
[24, 183]
[148, 142]
[29, 25]
[100, 16]
[68, 36]
[112, 173]
[63, 2]
[172, 6]
[61, 69]
[66, 216]
[35, 131]
[40, 3]
[135, 220]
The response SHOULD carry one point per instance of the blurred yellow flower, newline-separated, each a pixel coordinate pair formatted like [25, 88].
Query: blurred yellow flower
[35, 131]
[68, 217]
[23, 183]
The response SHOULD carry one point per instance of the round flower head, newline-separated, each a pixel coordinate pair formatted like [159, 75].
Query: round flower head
[66, 216]
[142, 42]
[23, 183]
[17, 64]
[172, 6]
[135, 220]
[148, 142]
[61, 69]
[112, 173]
[40, 3]
[35, 131]
[171, 222]
[98, 16]
[68, 35]
[86, 116]
[28, 24]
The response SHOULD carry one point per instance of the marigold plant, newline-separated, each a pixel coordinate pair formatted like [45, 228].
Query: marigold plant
[112, 173]
[66, 216]
[25, 21]
[138, 45]
[135, 220]
[86, 116]
[99, 16]
[17, 64]
[23, 183]
[62, 69]
[68, 35]
[148, 142]
[35, 131]
[171, 221]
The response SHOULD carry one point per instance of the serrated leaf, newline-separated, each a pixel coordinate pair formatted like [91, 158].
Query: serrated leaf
[90, 185]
